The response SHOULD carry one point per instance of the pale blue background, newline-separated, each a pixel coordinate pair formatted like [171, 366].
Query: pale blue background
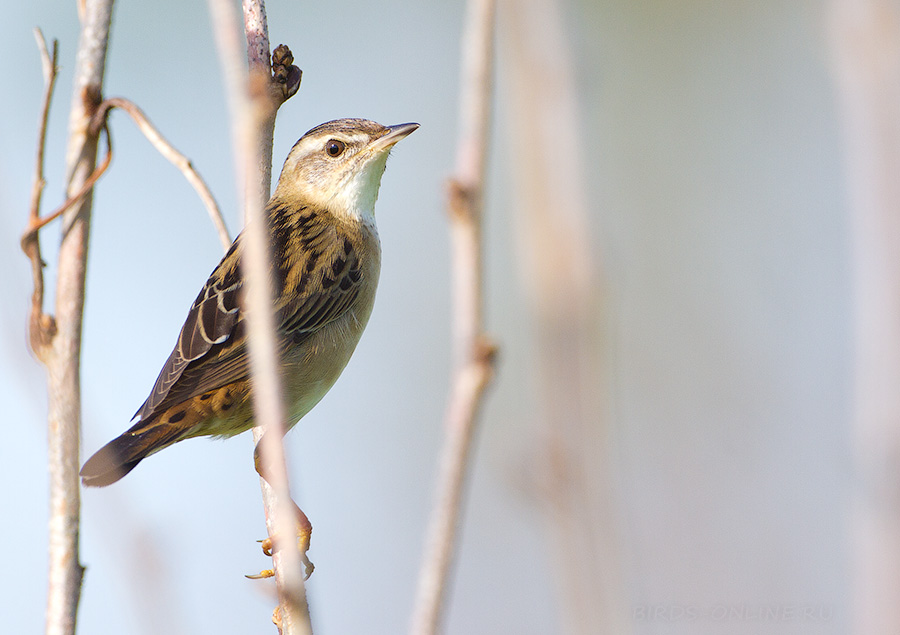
[717, 211]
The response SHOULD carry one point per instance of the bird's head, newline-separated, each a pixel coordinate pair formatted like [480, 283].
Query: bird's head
[338, 166]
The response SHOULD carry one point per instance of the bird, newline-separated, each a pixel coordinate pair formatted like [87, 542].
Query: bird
[324, 268]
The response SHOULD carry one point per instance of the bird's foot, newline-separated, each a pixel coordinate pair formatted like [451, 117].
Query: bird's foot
[304, 534]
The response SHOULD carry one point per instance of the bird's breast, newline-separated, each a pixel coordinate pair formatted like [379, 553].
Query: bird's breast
[313, 365]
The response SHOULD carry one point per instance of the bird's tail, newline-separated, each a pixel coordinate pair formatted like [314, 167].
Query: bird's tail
[118, 457]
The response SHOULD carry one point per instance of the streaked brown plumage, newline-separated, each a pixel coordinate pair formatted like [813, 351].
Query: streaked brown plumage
[326, 259]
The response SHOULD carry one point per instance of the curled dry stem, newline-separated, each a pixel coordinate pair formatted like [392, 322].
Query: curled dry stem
[42, 326]
[168, 151]
[99, 124]
[36, 223]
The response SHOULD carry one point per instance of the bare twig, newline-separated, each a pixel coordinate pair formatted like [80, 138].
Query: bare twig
[865, 42]
[184, 165]
[473, 353]
[41, 327]
[60, 347]
[253, 114]
[36, 224]
[98, 124]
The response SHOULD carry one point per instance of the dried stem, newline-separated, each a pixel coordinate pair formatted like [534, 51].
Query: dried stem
[254, 103]
[59, 341]
[184, 165]
[41, 326]
[37, 223]
[474, 354]
[98, 124]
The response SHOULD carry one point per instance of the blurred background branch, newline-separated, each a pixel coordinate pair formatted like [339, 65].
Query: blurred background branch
[573, 479]
[473, 353]
[865, 40]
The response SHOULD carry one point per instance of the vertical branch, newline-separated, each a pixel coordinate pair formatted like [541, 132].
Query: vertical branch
[255, 98]
[473, 353]
[62, 355]
[563, 291]
[256, 29]
[865, 39]
[271, 85]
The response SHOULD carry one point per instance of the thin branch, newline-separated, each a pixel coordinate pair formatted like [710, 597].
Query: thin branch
[62, 352]
[184, 164]
[49, 66]
[256, 29]
[474, 354]
[36, 224]
[98, 124]
[253, 112]
[41, 326]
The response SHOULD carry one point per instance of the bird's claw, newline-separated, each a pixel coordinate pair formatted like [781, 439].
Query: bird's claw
[308, 567]
[304, 533]
[262, 575]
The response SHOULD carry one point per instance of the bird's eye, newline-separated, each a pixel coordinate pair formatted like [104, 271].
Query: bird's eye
[335, 148]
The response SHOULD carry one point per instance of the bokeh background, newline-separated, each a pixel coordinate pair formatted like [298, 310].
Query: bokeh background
[706, 140]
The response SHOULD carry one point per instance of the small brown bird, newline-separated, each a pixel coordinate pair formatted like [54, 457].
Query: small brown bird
[326, 258]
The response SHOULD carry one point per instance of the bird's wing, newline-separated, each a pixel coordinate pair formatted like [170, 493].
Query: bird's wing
[314, 285]
[210, 326]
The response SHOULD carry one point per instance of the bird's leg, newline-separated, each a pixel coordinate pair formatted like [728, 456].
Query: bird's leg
[304, 528]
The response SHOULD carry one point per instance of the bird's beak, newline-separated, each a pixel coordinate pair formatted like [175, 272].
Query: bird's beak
[393, 135]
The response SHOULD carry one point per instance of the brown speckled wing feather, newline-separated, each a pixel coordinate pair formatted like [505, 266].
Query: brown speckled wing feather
[315, 285]
[210, 325]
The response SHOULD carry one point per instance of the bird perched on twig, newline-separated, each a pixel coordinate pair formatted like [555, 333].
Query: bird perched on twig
[326, 258]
